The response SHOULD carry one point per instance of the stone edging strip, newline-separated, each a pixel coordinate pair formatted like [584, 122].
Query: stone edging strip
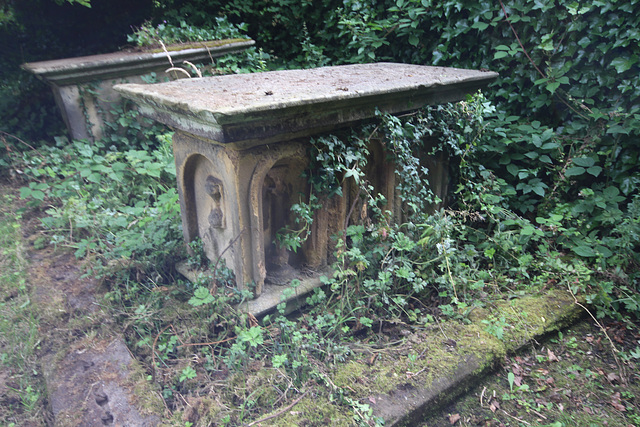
[437, 364]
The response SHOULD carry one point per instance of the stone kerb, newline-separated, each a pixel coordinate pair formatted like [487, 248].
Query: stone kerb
[241, 144]
[82, 86]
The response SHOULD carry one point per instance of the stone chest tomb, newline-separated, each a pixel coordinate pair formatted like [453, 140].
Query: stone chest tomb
[241, 144]
[82, 86]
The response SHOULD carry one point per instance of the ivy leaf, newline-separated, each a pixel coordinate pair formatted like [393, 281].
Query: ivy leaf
[616, 129]
[480, 25]
[500, 54]
[527, 230]
[584, 251]
[604, 251]
[549, 146]
[574, 171]
[539, 190]
[623, 64]
[584, 161]
[545, 159]
[594, 170]
[201, 296]
[553, 86]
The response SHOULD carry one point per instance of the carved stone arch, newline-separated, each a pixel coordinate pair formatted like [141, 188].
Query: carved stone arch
[204, 201]
[276, 184]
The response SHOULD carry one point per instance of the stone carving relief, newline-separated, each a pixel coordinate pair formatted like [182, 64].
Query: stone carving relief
[213, 187]
[208, 196]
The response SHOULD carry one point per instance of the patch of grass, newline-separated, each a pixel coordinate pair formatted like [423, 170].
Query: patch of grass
[21, 385]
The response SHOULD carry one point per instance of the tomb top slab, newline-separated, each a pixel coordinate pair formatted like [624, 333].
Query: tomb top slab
[121, 64]
[243, 110]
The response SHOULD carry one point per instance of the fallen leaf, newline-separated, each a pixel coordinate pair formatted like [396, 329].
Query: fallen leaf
[454, 418]
[613, 377]
[560, 407]
[494, 406]
[552, 357]
[516, 369]
[372, 400]
[620, 407]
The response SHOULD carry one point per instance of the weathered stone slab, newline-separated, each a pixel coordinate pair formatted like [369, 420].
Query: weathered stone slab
[253, 109]
[99, 383]
[117, 65]
[451, 358]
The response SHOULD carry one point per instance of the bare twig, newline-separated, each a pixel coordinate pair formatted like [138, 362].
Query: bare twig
[506, 16]
[282, 411]
[153, 352]
[20, 141]
[206, 343]
[231, 243]
[515, 418]
[178, 69]
[623, 377]
[167, 53]
[197, 71]
[579, 304]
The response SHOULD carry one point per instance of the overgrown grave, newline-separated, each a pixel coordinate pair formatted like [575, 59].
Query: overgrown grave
[394, 282]
[241, 146]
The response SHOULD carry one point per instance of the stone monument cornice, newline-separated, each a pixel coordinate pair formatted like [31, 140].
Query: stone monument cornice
[244, 110]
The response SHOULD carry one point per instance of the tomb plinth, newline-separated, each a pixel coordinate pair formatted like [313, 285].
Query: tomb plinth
[240, 147]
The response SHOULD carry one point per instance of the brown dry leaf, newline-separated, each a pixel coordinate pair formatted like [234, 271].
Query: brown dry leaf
[517, 380]
[517, 369]
[615, 402]
[560, 407]
[620, 407]
[494, 406]
[613, 377]
[552, 357]
[454, 418]
[550, 380]
[372, 399]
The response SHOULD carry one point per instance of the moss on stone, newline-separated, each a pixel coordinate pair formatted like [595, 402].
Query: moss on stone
[530, 317]
[197, 45]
